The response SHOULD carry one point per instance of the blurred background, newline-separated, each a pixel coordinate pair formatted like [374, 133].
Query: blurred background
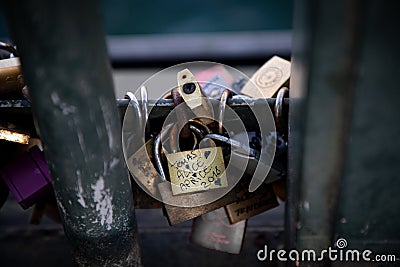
[144, 37]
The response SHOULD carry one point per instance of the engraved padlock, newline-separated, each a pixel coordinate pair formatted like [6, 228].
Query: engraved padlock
[28, 177]
[267, 80]
[196, 170]
[214, 231]
[138, 163]
[249, 204]
[190, 205]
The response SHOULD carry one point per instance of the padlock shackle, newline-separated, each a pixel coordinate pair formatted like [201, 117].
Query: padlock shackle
[157, 148]
[222, 106]
[278, 106]
[157, 157]
[242, 149]
[135, 104]
[9, 48]
[145, 107]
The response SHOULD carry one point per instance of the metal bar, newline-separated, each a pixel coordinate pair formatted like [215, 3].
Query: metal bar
[20, 110]
[233, 103]
[64, 61]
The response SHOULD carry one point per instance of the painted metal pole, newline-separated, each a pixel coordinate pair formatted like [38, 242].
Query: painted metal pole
[327, 42]
[65, 63]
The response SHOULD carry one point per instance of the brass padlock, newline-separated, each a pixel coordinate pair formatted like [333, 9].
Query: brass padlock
[267, 80]
[250, 204]
[188, 205]
[196, 170]
[139, 163]
[142, 168]
[11, 79]
[143, 200]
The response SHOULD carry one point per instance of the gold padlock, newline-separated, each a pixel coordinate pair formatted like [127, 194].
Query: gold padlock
[197, 170]
[142, 168]
[11, 79]
[250, 204]
[190, 205]
[144, 184]
[268, 79]
[143, 200]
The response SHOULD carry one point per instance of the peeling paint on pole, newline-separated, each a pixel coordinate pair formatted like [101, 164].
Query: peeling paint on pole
[64, 61]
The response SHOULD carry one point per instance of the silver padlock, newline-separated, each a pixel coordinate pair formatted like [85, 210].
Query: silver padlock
[244, 152]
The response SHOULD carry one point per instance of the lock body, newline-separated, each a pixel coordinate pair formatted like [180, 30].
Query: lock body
[178, 214]
[249, 204]
[197, 170]
[214, 231]
[11, 79]
[267, 80]
[28, 177]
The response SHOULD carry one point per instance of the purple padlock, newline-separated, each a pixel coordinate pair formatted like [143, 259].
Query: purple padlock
[28, 177]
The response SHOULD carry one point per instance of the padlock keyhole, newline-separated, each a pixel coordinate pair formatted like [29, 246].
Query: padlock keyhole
[189, 88]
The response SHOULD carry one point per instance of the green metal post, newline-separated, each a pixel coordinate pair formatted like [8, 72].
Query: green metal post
[327, 40]
[65, 63]
[344, 130]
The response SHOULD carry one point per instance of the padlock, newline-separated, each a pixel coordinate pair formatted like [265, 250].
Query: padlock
[194, 97]
[245, 153]
[196, 170]
[190, 204]
[214, 231]
[214, 80]
[249, 204]
[139, 164]
[12, 133]
[142, 168]
[28, 177]
[279, 187]
[11, 79]
[143, 200]
[144, 172]
[267, 80]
